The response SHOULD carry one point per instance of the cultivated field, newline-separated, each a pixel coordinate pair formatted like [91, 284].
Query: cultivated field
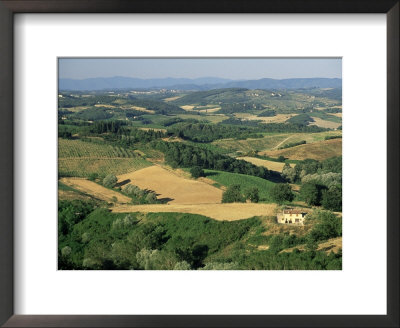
[171, 98]
[168, 185]
[104, 105]
[247, 145]
[212, 118]
[325, 124]
[279, 118]
[270, 165]
[79, 158]
[222, 212]
[75, 109]
[272, 141]
[244, 181]
[142, 109]
[210, 110]
[95, 190]
[188, 108]
[317, 150]
[78, 148]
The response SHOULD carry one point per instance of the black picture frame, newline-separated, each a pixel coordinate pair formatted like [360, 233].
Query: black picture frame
[10, 7]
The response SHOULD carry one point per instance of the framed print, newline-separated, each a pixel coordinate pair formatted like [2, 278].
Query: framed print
[182, 164]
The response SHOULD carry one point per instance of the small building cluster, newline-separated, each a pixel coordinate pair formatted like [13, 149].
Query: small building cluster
[292, 216]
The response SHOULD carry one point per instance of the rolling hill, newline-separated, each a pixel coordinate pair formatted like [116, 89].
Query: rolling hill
[205, 83]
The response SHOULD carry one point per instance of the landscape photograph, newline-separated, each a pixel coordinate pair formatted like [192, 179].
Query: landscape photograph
[199, 163]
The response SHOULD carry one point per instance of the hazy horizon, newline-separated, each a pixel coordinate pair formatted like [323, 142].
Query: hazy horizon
[201, 77]
[189, 68]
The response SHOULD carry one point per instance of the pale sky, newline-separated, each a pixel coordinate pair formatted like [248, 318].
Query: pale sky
[232, 68]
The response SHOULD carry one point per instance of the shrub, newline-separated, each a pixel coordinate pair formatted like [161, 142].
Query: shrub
[182, 266]
[252, 194]
[326, 179]
[126, 222]
[110, 181]
[220, 266]
[197, 172]
[85, 238]
[93, 176]
[311, 193]
[281, 193]
[289, 173]
[232, 195]
[66, 251]
[131, 190]
[328, 226]
[332, 198]
[151, 198]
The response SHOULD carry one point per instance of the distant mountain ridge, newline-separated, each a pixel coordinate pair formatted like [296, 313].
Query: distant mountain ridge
[205, 83]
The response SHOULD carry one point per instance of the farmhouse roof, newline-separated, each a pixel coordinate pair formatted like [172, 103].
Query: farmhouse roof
[292, 212]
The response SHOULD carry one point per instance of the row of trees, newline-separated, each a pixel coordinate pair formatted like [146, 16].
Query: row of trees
[310, 167]
[315, 194]
[288, 127]
[202, 132]
[138, 196]
[182, 155]
[321, 182]
[233, 194]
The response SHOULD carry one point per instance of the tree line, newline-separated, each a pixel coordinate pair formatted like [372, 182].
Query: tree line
[182, 155]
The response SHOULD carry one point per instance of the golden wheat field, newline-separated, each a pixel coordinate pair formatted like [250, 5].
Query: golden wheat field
[171, 98]
[317, 150]
[169, 185]
[325, 124]
[279, 118]
[222, 212]
[270, 165]
[95, 190]
[142, 109]
[104, 105]
[188, 108]
[210, 110]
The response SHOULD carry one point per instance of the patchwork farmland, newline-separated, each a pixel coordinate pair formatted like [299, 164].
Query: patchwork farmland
[191, 177]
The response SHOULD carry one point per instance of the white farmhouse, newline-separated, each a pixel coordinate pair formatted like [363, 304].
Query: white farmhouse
[292, 216]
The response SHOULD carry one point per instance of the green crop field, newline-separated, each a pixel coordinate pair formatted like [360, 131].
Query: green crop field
[79, 148]
[80, 159]
[245, 181]
[217, 118]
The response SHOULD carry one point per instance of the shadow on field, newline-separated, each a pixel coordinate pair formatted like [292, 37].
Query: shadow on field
[122, 183]
[276, 177]
[208, 174]
[165, 200]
